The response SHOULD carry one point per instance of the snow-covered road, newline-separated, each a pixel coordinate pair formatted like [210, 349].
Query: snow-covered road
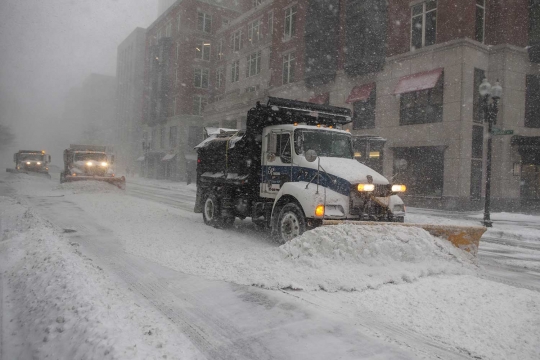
[180, 289]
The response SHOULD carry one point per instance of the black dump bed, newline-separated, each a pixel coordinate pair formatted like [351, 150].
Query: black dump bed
[236, 156]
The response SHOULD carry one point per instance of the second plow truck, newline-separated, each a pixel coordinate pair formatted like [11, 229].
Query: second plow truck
[31, 162]
[293, 169]
[89, 162]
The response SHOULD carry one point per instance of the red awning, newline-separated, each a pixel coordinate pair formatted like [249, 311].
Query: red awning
[320, 99]
[360, 93]
[417, 82]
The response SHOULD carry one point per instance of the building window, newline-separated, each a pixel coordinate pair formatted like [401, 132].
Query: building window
[220, 78]
[478, 113]
[422, 107]
[290, 22]
[270, 23]
[253, 64]
[423, 24]
[480, 22]
[220, 50]
[199, 102]
[254, 31]
[289, 62]
[251, 89]
[204, 22]
[202, 50]
[364, 112]
[159, 34]
[235, 71]
[162, 137]
[532, 102]
[168, 30]
[237, 40]
[195, 136]
[229, 124]
[153, 139]
[257, 2]
[421, 169]
[178, 22]
[477, 141]
[173, 136]
[200, 79]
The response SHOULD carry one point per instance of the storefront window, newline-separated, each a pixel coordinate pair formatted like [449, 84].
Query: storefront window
[421, 169]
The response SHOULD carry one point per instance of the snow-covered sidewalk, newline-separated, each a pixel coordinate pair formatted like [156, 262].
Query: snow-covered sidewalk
[59, 304]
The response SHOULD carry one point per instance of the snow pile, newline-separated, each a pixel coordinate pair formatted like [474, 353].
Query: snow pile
[88, 187]
[59, 305]
[375, 245]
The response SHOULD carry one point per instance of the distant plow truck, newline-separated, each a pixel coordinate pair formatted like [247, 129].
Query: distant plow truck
[90, 162]
[31, 162]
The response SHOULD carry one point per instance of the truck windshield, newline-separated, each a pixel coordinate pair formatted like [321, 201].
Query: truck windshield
[91, 156]
[34, 157]
[325, 143]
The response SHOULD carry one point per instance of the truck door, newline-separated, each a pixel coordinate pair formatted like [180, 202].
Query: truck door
[277, 159]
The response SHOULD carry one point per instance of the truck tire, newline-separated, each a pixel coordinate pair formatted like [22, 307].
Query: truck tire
[291, 223]
[212, 213]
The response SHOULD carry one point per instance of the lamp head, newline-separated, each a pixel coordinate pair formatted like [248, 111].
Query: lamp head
[496, 91]
[484, 88]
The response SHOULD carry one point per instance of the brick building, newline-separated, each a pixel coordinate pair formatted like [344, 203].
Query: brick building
[410, 71]
[129, 91]
[179, 68]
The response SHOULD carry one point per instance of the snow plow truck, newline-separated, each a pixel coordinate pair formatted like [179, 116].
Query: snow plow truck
[293, 169]
[89, 162]
[31, 162]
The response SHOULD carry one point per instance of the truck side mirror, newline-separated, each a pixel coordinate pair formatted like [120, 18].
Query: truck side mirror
[311, 155]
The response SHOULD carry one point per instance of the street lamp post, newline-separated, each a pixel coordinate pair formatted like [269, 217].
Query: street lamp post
[490, 111]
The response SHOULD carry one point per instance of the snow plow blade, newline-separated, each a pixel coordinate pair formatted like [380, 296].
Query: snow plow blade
[119, 182]
[464, 237]
[32, 173]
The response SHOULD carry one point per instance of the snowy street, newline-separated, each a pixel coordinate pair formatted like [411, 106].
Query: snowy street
[90, 271]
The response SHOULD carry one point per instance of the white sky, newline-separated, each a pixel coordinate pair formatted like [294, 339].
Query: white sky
[49, 46]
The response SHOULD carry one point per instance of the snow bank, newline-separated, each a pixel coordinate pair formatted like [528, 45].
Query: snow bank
[372, 245]
[60, 305]
[480, 318]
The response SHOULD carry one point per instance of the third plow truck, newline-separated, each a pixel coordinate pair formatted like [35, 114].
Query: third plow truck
[293, 169]
[89, 162]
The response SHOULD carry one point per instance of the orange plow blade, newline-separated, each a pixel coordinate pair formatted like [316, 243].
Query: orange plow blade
[464, 237]
[119, 182]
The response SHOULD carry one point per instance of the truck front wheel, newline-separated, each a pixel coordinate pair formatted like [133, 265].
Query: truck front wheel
[291, 223]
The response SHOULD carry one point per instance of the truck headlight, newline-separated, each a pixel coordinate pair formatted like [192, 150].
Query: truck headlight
[39, 162]
[104, 163]
[89, 164]
[399, 208]
[399, 188]
[28, 163]
[366, 187]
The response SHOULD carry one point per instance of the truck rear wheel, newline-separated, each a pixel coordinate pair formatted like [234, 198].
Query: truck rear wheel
[212, 213]
[291, 223]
